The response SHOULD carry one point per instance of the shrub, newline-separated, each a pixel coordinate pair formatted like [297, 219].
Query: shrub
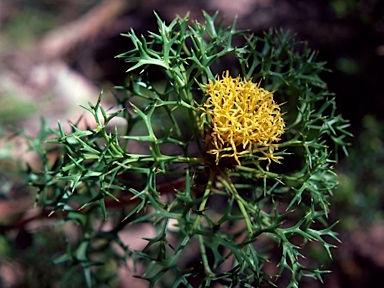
[233, 172]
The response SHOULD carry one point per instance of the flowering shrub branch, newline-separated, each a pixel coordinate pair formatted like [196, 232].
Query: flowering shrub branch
[190, 161]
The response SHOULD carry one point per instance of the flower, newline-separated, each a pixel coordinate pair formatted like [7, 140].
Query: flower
[243, 119]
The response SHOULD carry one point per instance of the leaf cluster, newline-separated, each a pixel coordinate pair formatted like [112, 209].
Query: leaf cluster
[213, 223]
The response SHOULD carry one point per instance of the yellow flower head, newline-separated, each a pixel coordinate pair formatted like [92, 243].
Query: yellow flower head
[243, 118]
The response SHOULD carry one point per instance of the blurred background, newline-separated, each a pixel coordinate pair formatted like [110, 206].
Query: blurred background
[57, 54]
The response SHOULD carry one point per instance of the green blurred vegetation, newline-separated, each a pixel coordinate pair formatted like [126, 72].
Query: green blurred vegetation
[359, 199]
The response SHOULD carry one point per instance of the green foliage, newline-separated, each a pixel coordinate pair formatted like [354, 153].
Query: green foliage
[359, 198]
[343, 8]
[214, 224]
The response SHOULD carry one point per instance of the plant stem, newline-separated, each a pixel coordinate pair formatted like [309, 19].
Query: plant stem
[196, 225]
[240, 201]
